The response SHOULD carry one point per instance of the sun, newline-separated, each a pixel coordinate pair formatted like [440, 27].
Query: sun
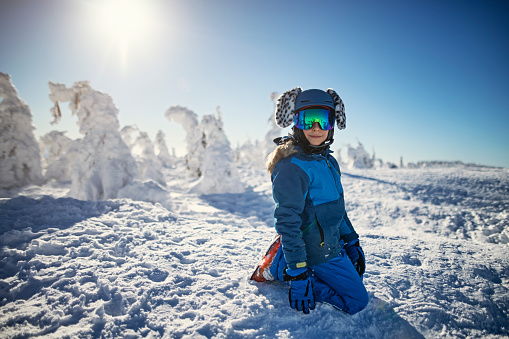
[126, 25]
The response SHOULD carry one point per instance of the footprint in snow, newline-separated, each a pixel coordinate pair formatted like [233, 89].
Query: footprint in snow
[157, 275]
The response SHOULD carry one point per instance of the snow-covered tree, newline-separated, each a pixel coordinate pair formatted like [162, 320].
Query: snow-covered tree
[59, 154]
[255, 154]
[127, 135]
[150, 167]
[274, 132]
[356, 157]
[162, 150]
[104, 163]
[20, 161]
[250, 154]
[195, 139]
[219, 174]
[210, 157]
[142, 148]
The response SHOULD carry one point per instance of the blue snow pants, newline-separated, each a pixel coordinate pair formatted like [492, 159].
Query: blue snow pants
[335, 282]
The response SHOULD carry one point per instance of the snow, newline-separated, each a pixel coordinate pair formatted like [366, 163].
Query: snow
[120, 239]
[210, 157]
[103, 164]
[163, 154]
[142, 148]
[435, 241]
[20, 162]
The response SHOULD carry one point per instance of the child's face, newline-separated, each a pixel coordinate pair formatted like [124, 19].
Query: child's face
[316, 135]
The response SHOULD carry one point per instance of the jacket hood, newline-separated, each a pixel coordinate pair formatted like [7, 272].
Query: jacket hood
[282, 151]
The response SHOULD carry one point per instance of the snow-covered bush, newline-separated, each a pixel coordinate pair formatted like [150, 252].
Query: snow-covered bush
[20, 161]
[103, 163]
[59, 154]
[210, 157]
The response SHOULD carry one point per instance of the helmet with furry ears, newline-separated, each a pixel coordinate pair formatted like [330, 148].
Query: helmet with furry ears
[285, 108]
[339, 108]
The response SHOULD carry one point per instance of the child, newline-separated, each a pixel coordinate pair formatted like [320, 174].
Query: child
[320, 257]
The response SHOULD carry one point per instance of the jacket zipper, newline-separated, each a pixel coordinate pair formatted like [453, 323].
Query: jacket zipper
[321, 234]
[335, 180]
[327, 160]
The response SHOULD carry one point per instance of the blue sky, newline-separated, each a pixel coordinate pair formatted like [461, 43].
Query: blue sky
[422, 80]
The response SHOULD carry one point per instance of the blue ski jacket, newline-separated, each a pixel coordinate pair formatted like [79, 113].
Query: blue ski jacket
[310, 211]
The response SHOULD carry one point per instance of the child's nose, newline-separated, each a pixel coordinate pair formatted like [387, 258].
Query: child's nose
[316, 125]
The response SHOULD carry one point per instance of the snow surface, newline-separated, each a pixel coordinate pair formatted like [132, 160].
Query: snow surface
[436, 244]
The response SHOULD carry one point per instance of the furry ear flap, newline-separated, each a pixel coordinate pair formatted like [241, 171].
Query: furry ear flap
[285, 108]
[339, 107]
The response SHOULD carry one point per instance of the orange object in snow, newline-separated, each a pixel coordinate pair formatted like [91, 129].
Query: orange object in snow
[262, 271]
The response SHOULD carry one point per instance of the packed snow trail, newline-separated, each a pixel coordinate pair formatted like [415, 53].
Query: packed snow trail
[123, 268]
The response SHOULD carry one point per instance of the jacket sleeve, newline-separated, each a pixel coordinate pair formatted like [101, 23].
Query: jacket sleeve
[347, 231]
[289, 188]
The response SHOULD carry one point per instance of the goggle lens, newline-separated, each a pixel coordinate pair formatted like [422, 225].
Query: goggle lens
[306, 118]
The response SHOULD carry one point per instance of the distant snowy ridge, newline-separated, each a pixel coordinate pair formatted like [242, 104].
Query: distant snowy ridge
[436, 163]
[357, 157]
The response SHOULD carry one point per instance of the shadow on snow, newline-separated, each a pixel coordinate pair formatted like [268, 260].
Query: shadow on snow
[247, 204]
[377, 320]
[23, 219]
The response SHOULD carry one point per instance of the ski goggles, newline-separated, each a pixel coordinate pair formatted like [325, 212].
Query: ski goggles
[306, 118]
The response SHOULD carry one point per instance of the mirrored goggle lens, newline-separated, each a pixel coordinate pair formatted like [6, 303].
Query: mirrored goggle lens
[305, 118]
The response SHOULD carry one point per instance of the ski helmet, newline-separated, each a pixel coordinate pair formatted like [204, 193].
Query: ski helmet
[314, 97]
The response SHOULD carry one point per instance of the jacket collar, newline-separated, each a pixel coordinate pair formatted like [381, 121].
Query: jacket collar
[324, 154]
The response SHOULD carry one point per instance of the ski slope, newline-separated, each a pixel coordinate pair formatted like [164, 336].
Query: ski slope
[436, 244]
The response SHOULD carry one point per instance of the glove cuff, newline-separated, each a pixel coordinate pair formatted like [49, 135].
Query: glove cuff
[295, 274]
[354, 242]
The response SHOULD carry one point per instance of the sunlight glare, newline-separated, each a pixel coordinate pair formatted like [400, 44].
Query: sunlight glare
[126, 24]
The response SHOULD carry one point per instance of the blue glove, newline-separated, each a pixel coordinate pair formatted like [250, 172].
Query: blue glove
[301, 294]
[356, 255]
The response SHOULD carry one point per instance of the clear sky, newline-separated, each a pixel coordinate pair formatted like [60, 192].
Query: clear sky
[422, 80]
